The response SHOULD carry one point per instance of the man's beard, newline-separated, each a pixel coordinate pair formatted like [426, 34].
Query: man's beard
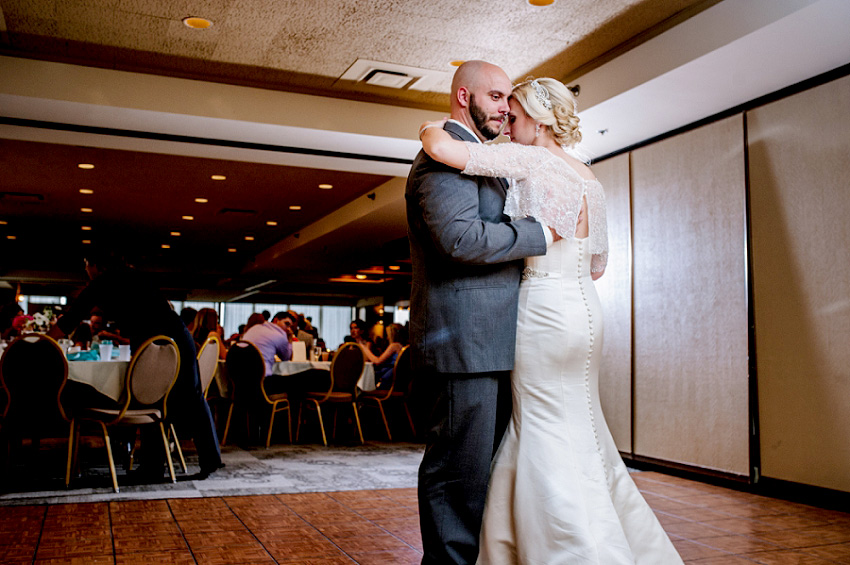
[480, 119]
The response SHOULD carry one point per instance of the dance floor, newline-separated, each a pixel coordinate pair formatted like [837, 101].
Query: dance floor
[373, 524]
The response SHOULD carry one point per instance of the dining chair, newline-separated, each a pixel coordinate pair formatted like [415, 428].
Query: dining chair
[207, 366]
[33, 374]
[346, 368]
[396, 391]
[152, 373]
[247, 372]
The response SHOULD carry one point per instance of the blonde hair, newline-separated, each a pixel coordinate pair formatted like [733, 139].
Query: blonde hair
[561, 118]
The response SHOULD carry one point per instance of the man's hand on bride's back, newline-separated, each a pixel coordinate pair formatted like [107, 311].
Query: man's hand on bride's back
[555, 235]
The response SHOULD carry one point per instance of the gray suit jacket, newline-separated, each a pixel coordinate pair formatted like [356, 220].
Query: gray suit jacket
[467, 260]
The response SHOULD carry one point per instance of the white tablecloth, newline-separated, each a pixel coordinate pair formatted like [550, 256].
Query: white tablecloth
[366, 382]
[107, 377]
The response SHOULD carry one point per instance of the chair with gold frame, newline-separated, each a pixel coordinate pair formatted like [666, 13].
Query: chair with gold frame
[152, 373]
[346, 368]
[247, 372]
[207, 366]
[395, 392]
[33, 374]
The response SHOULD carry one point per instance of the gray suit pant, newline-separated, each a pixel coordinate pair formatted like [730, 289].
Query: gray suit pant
[469, 416]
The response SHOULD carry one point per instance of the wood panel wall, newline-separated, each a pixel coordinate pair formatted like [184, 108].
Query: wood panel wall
[799, 155]
[690, 299]
[614, 288]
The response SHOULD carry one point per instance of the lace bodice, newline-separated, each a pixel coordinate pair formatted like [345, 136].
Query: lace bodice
[547, 188]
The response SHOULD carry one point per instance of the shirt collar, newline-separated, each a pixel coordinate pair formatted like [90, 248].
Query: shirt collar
[466, 128]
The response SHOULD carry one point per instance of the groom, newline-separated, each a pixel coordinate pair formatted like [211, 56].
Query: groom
[467, 259]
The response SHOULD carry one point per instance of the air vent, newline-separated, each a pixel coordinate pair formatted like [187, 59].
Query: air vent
[390, 75]
[236, 212]
[21, 198]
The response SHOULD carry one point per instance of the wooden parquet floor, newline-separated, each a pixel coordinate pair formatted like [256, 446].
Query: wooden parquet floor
[709, 525]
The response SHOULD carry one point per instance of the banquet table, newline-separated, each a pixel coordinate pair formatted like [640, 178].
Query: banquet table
[107, 377]
[286, 368]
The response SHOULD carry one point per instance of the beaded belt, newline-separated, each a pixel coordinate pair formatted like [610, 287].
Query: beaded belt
[531, 273]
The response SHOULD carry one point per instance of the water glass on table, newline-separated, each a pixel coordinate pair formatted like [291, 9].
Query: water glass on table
[106, 350]
[124, 352]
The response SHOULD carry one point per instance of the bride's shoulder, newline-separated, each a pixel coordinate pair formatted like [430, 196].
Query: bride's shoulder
[579, 167]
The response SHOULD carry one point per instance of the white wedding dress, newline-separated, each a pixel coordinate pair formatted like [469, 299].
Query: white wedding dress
[559, 492]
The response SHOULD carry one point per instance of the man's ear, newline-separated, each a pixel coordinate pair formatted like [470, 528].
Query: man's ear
[463, 96]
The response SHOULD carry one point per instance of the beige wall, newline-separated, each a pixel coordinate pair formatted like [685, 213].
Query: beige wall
[690, 299]
[615, 376]
[799, 155]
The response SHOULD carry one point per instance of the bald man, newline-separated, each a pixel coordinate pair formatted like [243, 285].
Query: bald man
[467, 260]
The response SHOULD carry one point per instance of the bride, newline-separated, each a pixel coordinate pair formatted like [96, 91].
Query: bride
[559, 492]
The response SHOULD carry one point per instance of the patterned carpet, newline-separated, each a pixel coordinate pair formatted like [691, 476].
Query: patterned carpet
[38, 478]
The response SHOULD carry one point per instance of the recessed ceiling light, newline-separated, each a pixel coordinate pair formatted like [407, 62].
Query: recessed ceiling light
[188, 217]
[166, 246]
[541, 2]
[218, 177]
[201, 200]
[360, 277]
[175, 233]
[86, 228]
[3, 222]
[86, 241]
[86, 191]
[86, 210]
[394, 268]
[249, 238]
[271, 223]
[85, 166]
[326, 186]
[457, 63]
[11, 237]
[231, 250]
[195, 22]
[295, 207]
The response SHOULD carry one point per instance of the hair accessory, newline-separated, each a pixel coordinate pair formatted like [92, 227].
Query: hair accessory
[542, 94]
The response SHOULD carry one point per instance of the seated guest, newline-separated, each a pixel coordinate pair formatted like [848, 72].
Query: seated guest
[188, 314]
[385, 362]
[126, 296]
[272, 338]
[100, 330]
[81, 336]
[204, 324]
[236, 336]
[8, 313]
[360, 335]
[302, 334]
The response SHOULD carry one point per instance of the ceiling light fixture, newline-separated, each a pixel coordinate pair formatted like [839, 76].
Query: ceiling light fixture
[188, 217]
[86, 228]
[86, 242]
[175, 233]
[394, 268]
[201, 200]
[218, 177]
[249, 238]
[3, 222]
[271, 223]
[11, 237]
[195, 22]
[541, 2]
[295, 207]
[166, 246]
[360, 277]
[86, 191]
[85, 166]
[326, 186]
[231, 250]
[86, 210]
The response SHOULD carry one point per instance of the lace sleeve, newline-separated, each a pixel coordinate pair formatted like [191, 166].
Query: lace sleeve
[510, 160]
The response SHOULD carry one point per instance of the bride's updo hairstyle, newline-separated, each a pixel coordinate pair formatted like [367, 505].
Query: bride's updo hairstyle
[549, 102]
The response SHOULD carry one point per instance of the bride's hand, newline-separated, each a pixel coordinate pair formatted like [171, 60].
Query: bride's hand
[435, 124]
